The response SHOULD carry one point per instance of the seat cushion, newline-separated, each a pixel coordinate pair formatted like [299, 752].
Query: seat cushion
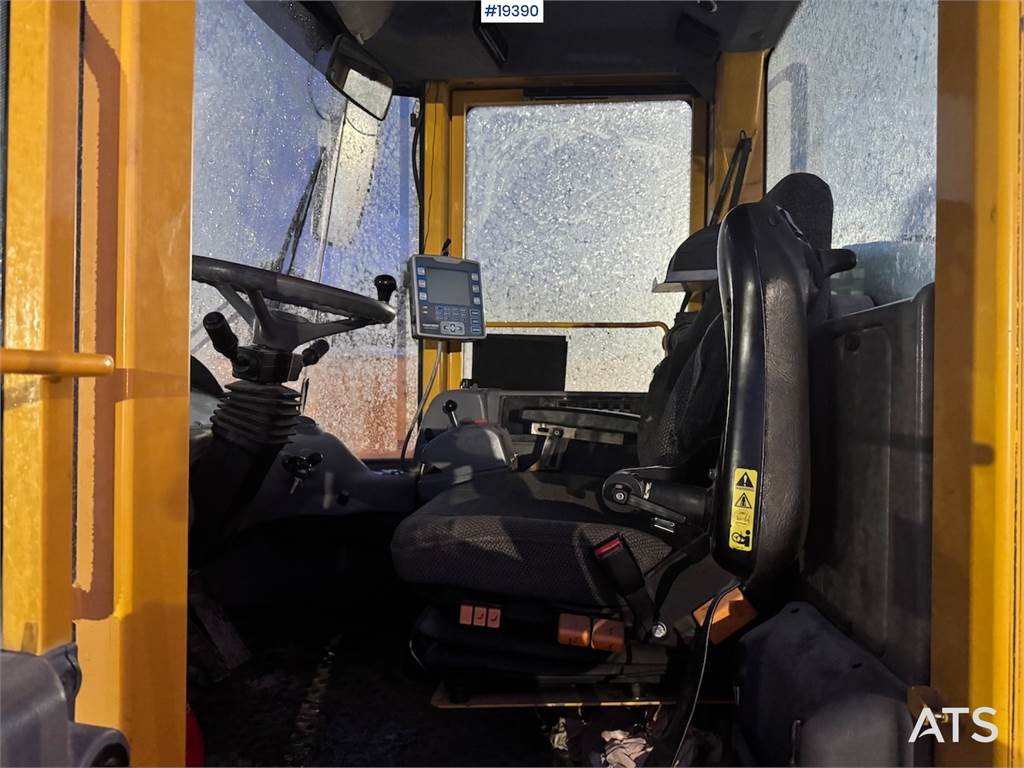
[528, 535]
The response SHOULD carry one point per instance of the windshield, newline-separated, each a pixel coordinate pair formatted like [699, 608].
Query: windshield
[287, 176]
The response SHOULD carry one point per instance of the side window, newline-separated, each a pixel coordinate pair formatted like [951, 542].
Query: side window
[288, 177]
[573, 211]
[852, 98]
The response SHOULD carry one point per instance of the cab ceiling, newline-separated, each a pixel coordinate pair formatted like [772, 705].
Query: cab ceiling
[579, 39]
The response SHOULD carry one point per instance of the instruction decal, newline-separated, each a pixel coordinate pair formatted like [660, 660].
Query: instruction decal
[744, 501]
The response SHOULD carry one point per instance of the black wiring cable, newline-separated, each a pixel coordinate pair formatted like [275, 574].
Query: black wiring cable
[373, 135]
[426, 206]
[309, 92]
[417, 160]
[423, 401]
[703, 638]
[743, 146]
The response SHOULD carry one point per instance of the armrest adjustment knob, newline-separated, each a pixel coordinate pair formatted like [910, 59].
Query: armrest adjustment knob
[653, 492]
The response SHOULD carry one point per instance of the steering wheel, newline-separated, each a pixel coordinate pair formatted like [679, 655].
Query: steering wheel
[283, 330]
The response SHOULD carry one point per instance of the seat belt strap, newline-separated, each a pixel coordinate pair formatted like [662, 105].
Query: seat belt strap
[625, 575]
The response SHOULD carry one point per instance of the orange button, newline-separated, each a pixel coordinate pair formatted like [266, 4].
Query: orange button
[574, 630]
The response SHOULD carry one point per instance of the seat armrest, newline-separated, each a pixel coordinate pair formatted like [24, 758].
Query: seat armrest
[619, 422]
[670, 506]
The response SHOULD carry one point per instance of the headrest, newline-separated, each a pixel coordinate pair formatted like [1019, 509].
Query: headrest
[808, 201]
[805, 197]
[695, 261]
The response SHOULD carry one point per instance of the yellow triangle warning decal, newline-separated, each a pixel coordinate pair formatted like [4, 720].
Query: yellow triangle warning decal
[741, 519]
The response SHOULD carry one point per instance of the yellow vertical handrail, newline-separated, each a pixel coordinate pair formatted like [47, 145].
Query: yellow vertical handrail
[39, 300]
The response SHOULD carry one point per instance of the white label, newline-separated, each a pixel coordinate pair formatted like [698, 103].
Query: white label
[508, 13]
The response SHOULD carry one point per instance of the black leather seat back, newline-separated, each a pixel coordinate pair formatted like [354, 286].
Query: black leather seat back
[683, 413]
[762, 488]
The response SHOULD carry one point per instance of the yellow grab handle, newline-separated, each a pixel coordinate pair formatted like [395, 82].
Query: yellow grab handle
[44, 363]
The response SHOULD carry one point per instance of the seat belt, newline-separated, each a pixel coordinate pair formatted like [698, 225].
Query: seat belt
[738, 161]
[622, 571]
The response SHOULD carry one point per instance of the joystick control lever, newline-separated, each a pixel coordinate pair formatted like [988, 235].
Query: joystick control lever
[450, 407]
[386, 285]
[221, 335]
[311, 355]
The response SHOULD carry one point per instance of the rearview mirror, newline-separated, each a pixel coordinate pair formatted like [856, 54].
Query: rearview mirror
[359, 77]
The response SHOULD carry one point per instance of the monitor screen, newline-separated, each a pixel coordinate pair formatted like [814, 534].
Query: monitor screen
[447, 286]
[520, 362]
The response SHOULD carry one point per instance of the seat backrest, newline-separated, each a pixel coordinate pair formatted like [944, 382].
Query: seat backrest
[684, 410]
[769, 277]
[683, 415]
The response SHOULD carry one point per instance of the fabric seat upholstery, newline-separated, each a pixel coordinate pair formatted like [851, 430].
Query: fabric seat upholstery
[518, 535]
[532, 536]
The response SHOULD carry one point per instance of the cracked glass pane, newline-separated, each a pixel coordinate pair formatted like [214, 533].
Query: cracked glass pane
[852, 98]
[573, 211]
[269, 134]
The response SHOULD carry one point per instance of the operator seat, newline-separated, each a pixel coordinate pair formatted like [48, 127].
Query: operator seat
[529, 535]
[536, 558]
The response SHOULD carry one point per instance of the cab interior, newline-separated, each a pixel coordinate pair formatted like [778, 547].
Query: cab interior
[687, 524]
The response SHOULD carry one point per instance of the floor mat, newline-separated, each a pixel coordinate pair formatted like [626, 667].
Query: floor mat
[330, 680]
[340, 701]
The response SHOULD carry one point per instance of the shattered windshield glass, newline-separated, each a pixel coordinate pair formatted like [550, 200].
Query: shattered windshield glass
[289, 177]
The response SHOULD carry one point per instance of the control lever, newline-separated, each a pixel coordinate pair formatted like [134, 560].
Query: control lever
[450, 407]
[311, 355]
[651, 490]
[300, 467]
[221, 335]
[386, 285]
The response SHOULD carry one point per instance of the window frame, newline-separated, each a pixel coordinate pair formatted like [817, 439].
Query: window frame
[445, 108]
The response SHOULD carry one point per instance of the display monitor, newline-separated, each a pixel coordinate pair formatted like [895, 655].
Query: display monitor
[446, 298]
[447, 286]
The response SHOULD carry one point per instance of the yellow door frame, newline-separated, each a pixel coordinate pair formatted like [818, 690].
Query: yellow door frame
[977, 566]
[39, 317]
[118, 236]
[137, 156]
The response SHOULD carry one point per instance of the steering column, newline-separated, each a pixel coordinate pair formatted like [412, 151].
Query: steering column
[258, 415]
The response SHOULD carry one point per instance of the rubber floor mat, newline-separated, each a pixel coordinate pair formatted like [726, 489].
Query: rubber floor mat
[344, 703]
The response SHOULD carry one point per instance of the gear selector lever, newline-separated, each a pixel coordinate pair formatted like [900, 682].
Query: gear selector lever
[450, 407]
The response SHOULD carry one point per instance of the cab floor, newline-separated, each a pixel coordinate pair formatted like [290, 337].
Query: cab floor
[350, 705]
[329, 686]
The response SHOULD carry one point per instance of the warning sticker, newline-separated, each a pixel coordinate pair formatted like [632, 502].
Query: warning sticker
[744, 500]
